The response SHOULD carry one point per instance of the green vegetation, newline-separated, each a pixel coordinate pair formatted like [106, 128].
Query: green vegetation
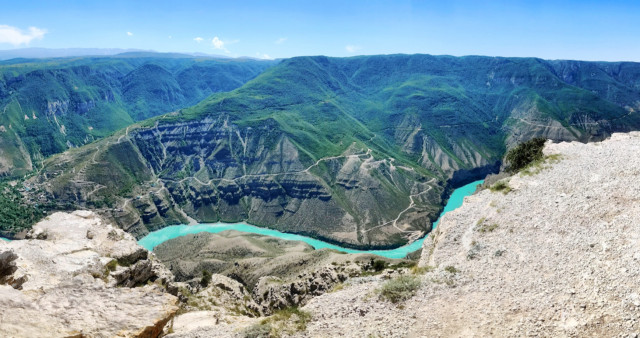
[524, 154]
[257, 331]
[16, 213]
[206, 278]
[421, 270]
[400, 288]
[285, 321]
[337, 287]
[537, 166]
[378, 265]
[451, 269]
[429, 114]
[482, 226]
[502, 186]
[488, 228]
[51, 103]
[403, 265]
[112, 265]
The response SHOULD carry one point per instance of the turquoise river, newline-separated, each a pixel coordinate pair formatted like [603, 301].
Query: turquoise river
[154, 238]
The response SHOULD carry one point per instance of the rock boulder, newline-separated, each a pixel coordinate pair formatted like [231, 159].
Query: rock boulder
[62, 282]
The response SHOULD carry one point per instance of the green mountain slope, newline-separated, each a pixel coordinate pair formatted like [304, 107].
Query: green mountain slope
[359, 151]
[47, 106]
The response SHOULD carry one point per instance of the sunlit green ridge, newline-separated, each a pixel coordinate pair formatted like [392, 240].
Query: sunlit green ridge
[342, 149]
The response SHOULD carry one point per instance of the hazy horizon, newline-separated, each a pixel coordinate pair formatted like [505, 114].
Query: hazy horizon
[577, 30]
[118, 51]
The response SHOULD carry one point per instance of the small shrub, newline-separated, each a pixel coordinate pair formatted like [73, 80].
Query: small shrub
[374, 266]
[447, 281]
[400, 288]
[379, 265]
[111, 266]
[257, 331]
[421, 270]
[487, 227]
[206, 278]
[402, 265]
[337, 287]
[501, 186]
[288, 320]
[524, 154]
[451, 269]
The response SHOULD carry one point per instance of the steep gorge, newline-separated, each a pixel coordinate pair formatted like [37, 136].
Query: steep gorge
[360, 151]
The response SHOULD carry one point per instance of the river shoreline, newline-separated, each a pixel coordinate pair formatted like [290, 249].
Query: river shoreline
[157, 237]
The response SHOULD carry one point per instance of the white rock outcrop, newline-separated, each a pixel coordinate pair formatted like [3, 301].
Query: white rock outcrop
[557, 256]
[65, 282]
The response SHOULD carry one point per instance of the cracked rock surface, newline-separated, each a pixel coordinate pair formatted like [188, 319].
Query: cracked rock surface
[59, 283]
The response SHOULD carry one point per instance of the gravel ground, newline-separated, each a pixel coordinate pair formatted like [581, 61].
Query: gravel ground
[558, 255]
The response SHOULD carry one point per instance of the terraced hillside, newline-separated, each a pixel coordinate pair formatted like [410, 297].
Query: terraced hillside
[360, 151]
[50, 105]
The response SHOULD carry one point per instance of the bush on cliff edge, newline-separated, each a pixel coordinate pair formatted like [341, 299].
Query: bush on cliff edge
[524, 154]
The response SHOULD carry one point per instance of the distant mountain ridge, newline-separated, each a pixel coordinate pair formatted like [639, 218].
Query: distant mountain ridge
[50, 105]
[361, 151]
[33, 53]
[43, 53]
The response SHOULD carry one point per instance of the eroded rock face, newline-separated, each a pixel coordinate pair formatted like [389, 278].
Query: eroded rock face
[63, 284]
[7, 268]
[273, 293]
[557, 256]
[247, 257]
[211, 170]
[225, 308]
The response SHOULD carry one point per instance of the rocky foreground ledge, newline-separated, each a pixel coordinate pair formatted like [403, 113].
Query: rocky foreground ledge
[79, 277]
[555, 252]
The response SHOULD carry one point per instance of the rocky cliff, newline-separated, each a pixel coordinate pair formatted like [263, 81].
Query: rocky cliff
[213, 170]
[553, 254]
[78, 276]
[551, 251]
[276, 273]
[362, 151]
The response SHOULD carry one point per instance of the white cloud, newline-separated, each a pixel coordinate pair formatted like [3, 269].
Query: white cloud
[280, 41]
[129, 33]
[352, 48]
[198, 39]
[15, 36]
[217, 43]
[263, 56]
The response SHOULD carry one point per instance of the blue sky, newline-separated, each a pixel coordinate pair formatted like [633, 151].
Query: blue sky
[586, 30]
